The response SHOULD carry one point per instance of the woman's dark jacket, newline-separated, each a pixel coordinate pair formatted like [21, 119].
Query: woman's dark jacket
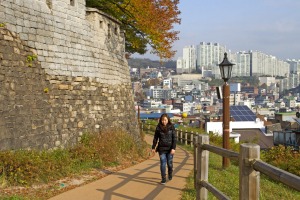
[166, 138]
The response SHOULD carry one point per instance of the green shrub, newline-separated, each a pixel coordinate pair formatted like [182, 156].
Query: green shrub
[284, 158]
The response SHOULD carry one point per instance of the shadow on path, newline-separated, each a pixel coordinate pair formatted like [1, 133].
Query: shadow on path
[141, 181]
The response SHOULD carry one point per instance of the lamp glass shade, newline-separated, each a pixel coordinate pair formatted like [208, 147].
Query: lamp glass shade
[225, 71]
[225, 68]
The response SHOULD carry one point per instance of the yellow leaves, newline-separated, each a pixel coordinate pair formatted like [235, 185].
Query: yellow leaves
[46, 90]
[30, 59]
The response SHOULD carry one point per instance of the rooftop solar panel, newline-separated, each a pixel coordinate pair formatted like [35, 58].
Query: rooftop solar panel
[242, 113]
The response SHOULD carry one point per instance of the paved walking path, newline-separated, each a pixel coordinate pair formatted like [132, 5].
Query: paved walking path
[139, 182]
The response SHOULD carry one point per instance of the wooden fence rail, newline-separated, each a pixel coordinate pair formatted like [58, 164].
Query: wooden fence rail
[277, 174]
[220, 151]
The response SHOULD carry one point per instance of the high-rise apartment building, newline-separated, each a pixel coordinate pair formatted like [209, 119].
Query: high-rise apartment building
[258, 61]
[294, 66]
[187, 63]
[242, 63]
[209, 55]
[293, 80]
[282, 68]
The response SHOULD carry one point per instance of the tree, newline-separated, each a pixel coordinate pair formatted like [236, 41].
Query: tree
[146, 22]
[216, 82]
[139, 96]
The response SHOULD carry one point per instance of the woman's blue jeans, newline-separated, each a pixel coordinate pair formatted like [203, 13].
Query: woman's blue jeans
[166, 159]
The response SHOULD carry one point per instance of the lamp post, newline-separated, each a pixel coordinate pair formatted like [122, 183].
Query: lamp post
[225, 69]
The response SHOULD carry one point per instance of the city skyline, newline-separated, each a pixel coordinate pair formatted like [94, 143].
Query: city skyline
[267, 26]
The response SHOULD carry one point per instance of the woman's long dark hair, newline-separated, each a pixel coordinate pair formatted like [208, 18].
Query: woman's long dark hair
[169, 124]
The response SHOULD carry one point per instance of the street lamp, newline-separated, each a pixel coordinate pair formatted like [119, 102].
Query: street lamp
[225, 69]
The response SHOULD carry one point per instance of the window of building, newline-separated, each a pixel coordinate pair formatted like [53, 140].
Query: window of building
[100, 24]
[72, 2]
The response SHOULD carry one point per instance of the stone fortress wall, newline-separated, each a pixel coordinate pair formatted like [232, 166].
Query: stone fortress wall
[63, 72]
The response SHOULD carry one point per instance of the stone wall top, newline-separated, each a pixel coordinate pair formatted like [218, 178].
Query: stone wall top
[70, 39]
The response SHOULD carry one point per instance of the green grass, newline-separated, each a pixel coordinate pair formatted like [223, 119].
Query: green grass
[13, 198]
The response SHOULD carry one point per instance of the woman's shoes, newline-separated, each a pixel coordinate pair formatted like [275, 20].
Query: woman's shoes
[170, 176]
[163, 181]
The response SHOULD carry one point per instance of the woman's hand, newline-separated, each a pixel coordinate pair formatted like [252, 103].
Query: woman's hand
[153, 151]
[172, 151]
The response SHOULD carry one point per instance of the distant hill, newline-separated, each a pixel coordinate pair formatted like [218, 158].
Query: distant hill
[145, 62]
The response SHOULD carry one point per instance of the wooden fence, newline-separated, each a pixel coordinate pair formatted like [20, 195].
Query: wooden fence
[250, 167]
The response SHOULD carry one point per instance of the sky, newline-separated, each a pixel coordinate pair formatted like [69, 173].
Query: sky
[268, 26]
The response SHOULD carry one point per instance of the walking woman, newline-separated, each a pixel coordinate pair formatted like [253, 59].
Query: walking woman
[166, 138]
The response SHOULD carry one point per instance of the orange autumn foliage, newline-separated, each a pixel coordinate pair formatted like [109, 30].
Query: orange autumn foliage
[145, 22]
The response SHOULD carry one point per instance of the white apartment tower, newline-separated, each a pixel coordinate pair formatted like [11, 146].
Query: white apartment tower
[282, 68]
[293, 80]
[242, 65]
[187, 63]
[189, 55]
[258, 61]
[294, 66]
[209, 55]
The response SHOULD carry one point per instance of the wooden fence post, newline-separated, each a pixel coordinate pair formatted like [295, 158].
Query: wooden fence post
[185, 137]
[249, 182]
[202, 167]
[181, 136]
[195, 160]
[191, 139]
